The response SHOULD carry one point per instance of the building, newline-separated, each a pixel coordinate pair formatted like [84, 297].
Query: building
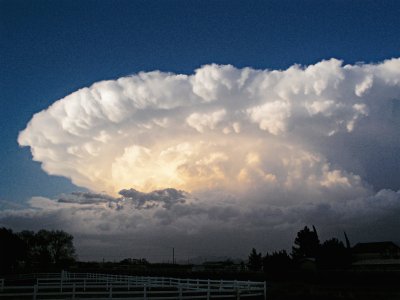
[376, 253]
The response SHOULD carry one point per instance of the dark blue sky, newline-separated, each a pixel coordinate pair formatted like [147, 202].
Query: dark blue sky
[51, 48]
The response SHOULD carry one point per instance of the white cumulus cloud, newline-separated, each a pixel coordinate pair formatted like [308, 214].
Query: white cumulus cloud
[158, 130]
[252, 149]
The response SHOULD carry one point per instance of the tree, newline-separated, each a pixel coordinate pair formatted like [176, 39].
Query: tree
[333, 254]
[12, 251]
[306, 244]
[28, 238]
[48, 248]
[55, 247]
[255, 260]
[347, 240]
[277, 262]
[28, 249]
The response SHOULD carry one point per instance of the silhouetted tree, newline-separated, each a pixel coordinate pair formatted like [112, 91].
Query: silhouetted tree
[28, 238]
[306, 244]
[255, 260]
[28, 249]
[333, 254]
[277, 262]
[347, 240]
[54, 247]
[12, 251]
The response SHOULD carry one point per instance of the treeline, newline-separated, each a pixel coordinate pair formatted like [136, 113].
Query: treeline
[53, 250]
[307, 253]
[27, 250]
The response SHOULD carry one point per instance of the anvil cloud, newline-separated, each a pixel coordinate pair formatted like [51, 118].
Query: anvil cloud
[221, 126]
[266, 147]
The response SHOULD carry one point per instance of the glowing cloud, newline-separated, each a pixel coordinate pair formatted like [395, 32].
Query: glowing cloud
[221, 127]
[221, 156]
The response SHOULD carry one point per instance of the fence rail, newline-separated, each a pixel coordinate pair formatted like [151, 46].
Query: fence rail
[66, 285]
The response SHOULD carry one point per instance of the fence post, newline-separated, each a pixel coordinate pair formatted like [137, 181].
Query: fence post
[180, 293]
[73, 290]
[84, 285]
[61, 280]
[110, 293]
[208, 284]
[237, 294]
[35, 287]
[208, 294]
[2, 284]
[265, 290]
[144, 292]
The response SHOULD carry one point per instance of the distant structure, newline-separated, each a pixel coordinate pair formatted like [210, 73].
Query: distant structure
[376, 253]
[219, 266]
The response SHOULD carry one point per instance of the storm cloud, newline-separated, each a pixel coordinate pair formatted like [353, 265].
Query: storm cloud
[221, 126]
[255, 152]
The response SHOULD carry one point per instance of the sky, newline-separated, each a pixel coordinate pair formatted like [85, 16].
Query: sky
[208, 126]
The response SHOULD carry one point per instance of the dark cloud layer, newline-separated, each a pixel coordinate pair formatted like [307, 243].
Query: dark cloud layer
[167, 198]
[198, 227]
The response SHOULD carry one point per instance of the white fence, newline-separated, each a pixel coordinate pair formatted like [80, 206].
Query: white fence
[56, 286]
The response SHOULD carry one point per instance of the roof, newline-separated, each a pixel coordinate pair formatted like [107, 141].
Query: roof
[376, 247]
